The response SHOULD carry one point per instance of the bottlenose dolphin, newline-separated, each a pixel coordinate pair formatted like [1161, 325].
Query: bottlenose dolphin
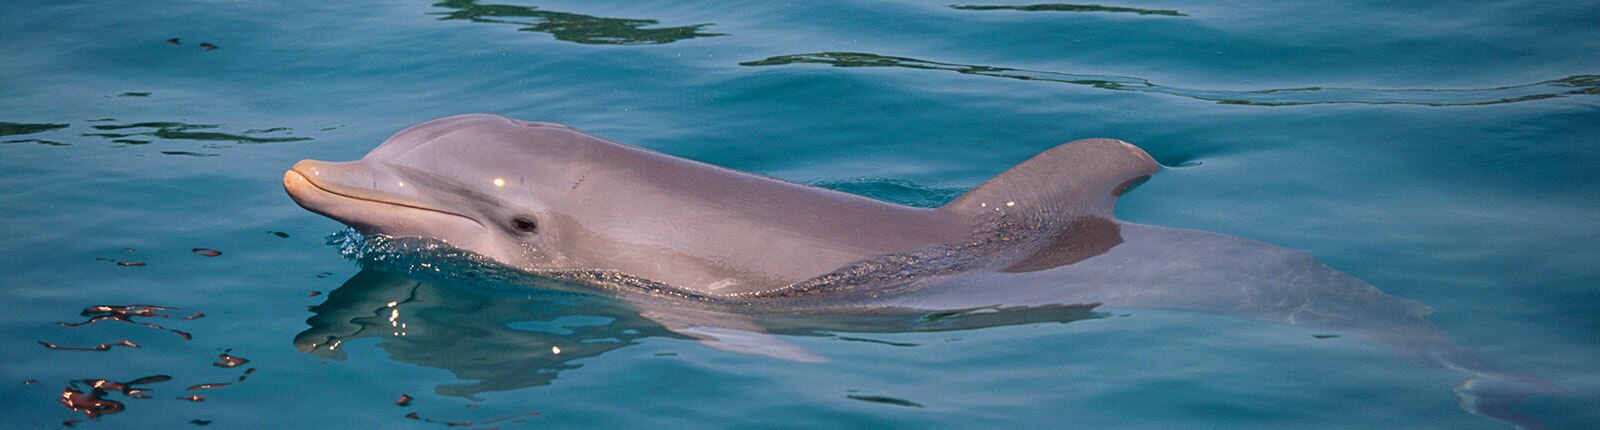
[701, 249]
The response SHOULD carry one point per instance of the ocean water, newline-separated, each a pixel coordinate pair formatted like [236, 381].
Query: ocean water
[1446, 152]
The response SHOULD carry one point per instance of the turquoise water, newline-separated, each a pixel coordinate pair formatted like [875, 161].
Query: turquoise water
[1446, 152]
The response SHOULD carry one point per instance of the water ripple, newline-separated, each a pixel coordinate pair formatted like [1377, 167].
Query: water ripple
[572, 27]
[1563, 87]
[1062, 7]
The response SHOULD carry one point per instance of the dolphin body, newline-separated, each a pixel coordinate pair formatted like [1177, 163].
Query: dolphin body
[707, 251]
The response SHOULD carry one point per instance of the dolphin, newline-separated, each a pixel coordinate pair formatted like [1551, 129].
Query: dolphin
[705, 250]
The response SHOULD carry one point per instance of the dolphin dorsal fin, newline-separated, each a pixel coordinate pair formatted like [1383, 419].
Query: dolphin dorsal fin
[1080, 178]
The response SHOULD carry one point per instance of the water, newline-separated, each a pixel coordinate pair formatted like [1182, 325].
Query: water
[1445, 152]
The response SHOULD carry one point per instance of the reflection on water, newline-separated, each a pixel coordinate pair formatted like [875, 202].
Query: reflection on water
[1568, 86]
[572, 27]
[1061, 7]
[517, 336]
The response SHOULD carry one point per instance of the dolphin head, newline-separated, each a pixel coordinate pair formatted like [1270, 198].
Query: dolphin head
[483, 183]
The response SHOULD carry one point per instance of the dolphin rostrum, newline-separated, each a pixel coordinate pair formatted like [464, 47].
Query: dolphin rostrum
[700, 248]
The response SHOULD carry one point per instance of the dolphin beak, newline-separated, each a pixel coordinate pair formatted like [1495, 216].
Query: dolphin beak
[369, 200]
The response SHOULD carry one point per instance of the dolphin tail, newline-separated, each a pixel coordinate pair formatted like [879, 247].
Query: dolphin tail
[1490, 392]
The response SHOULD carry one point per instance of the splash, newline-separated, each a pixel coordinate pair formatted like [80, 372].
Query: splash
[1564, 87]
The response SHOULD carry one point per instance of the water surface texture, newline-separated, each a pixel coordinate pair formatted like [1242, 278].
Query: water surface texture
[155, 274]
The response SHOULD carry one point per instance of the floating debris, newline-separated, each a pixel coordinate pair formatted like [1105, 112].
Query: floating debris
[404, 401]
[206, 252]
[30, 382]
[100, 347]
[197, 315]
[226, 360]
[194, 398]
[130, 263]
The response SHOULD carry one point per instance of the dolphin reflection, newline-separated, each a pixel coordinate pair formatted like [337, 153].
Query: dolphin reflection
[503, 339]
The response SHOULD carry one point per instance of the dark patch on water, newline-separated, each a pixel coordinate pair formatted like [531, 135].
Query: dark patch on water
[572, 27]
[279, 234]
[206, 252]
[174, 41]
[1563, 87]
[880, 342]
[38, 141]
[16, 128]
[1324, 336]
[184, 131]
[190, 154]
[207, 46]
[1062, 7]
[130, 141]
[884, 400]
[134, 94]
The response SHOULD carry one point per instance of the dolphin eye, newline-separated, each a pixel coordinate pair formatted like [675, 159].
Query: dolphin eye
[524, 224]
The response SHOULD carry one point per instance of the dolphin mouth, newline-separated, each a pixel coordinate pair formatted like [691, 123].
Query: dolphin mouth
[365, 213]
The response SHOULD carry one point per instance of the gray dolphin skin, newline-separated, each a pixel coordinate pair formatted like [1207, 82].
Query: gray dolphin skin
[707, 251]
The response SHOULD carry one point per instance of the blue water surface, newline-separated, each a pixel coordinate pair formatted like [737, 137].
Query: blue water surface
[1447, 152]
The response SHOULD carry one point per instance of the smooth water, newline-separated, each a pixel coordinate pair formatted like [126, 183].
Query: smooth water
[1446, 152]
